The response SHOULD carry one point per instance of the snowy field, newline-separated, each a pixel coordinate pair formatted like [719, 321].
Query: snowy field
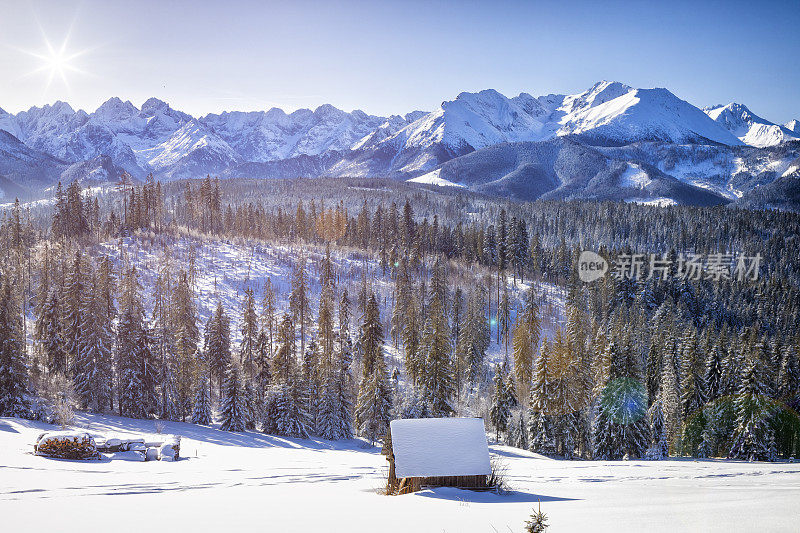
[256, 482]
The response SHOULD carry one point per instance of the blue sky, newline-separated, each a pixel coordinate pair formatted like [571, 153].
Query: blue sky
[393, 57]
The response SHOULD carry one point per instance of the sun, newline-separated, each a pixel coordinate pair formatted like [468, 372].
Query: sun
[56, 62]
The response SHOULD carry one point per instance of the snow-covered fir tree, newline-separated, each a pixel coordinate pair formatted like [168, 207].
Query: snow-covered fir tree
[234, 402]
[93, 377]
[14, 398]
[201, 411]
[136, 365]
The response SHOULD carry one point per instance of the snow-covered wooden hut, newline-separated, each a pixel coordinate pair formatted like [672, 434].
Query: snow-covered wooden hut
[437, 452]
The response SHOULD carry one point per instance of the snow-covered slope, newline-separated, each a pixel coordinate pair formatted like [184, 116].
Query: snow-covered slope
[23, 168]
[432, 178]
[252, 481]
[644, 115]
[748, 127]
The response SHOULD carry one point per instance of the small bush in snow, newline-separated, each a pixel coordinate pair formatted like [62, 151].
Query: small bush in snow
[538, 522]
[58, 394]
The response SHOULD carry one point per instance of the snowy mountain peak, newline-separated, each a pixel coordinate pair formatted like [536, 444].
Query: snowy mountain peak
[115, 110]
[793, 126]
[151, 106]
[749, 127]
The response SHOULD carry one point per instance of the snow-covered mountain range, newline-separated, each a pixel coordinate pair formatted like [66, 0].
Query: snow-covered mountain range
[44, 144]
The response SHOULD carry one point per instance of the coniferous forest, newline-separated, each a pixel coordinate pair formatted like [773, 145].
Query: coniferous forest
[405, 302]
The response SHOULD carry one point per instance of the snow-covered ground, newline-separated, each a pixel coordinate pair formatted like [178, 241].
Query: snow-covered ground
[433, 178]
[634, 177]
[256, 482]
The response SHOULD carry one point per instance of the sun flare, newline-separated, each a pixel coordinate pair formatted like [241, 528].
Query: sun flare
[56, 62]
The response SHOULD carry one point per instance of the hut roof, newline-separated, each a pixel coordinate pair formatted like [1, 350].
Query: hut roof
[428, 447]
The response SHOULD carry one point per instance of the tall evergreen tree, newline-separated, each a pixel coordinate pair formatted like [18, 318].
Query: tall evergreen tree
[13, 369]
[136, 365]
[234, 408]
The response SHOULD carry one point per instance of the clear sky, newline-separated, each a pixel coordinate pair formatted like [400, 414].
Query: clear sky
[392, 57]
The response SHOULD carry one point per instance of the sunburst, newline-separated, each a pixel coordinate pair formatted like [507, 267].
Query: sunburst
[56, 61]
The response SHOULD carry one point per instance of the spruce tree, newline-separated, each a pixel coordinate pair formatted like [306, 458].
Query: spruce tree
[371, 335]
[500, 410]
[49, 334]
[201, 412]
[234, 407]
[13, 369]
[136, 365]
[248, 346]
[622, 427]
[93, 378]
[299, 302]
[72, 314]
[186, 334]
[437, 374]
[753, 438]
[373, 411]
[540, 424]
[218, 343]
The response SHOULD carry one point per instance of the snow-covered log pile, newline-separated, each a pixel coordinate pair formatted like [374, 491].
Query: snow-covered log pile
[66, 445]
[143, 448]
[81, 445]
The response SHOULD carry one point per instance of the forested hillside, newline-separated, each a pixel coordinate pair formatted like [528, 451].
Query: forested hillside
[330, 307]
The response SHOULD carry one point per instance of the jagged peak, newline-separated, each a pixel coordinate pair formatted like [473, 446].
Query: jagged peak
[154, 104]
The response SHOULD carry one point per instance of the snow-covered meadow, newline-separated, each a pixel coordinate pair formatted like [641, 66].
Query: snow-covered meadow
[251, 481]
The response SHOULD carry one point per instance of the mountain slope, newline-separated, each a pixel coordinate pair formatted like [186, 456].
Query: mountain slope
[24, 169]
[563, 168]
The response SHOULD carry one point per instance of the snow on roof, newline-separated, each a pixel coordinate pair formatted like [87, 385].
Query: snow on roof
[427, 447]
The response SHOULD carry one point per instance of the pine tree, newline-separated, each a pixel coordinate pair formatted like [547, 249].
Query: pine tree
[218, 344]
[247, 349]
[622, 428]
[137, 367]
[93, 378]
[299, 302]
[753, 438]
[373, 410]
[540, 424]
[13, 369]
[234, 408]
[437, 374]
[500, 410]
[186, 333]
[201, 413]
[49, 334]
